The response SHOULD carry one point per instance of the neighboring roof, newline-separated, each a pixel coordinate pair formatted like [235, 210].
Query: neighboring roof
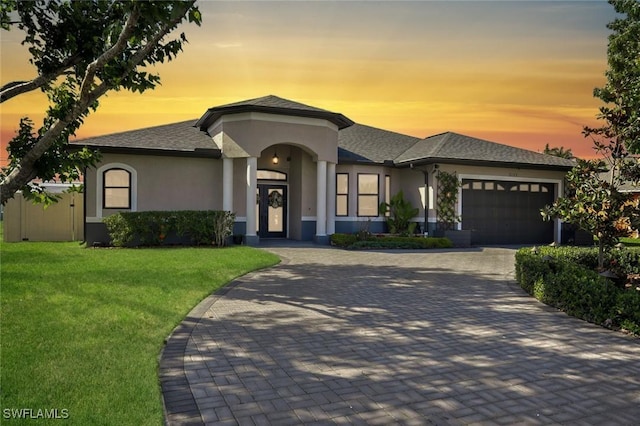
[360, 143]
[180, 137]
[272, 105]
[453, 147]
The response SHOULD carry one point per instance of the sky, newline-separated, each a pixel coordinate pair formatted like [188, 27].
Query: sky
[521, 73]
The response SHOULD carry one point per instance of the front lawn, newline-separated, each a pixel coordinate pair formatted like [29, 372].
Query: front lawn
[630, 242]
[82, 329]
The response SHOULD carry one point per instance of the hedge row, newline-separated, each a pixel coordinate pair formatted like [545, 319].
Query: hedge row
[621, 262]
[352, 241]
[557, 278]
[152, 228]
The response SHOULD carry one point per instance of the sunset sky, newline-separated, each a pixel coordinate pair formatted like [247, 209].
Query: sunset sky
[520, 73]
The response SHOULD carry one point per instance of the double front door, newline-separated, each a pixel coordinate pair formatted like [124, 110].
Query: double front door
[272, 211]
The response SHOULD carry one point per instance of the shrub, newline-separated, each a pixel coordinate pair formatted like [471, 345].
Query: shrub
[151, 228]
[343, 240]
[559, 278]
[352, 242]
[400, 212]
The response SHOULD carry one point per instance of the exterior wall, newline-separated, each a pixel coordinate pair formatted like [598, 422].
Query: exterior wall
[411, 182]
[62, 221]
[352, 222]
[492, 173]
[249, 134]
[161, 183]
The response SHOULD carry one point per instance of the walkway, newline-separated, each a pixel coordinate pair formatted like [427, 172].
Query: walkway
[440, 337]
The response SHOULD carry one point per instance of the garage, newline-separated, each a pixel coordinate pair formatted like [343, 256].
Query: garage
[504, 212]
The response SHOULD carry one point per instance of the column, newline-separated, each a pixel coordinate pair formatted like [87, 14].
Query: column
[251, 187]
[227, 184]
[321, 202]
[331, 198]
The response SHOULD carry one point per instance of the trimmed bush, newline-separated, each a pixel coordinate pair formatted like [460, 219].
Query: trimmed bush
[351, 241]
[153, 227]
[559, 278]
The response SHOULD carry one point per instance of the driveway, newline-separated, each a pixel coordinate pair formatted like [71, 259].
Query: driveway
[440, 337]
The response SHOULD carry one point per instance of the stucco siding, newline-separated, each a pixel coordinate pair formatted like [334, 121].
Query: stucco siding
[509, 172]
[164, 183]
[249, 134]
[411, 182]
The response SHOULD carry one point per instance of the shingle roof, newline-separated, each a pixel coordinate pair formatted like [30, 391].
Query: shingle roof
[360, 143]
[272, 105]
[176, 137]
[357, 143]
[455, 147]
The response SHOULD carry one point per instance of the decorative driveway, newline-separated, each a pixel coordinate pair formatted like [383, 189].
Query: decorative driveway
[440, 337]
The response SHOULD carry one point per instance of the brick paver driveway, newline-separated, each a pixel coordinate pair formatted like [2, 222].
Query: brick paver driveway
[441, 337]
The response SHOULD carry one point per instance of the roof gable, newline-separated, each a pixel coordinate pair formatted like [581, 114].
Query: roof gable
[454, 147]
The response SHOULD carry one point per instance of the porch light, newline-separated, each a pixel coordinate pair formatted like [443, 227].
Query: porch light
[275, 158]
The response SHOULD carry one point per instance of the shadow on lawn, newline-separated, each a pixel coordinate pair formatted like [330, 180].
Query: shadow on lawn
[362, 343]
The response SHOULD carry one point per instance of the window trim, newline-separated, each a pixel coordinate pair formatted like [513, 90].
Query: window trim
[343, 194]
[377, 194]
[105, 187]
[100, 188]
[387, 192]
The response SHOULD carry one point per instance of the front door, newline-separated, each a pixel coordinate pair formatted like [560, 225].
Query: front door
[272, 211]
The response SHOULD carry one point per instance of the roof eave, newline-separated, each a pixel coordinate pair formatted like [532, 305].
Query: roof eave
[473, 162]
[195, 153]
[213, 114]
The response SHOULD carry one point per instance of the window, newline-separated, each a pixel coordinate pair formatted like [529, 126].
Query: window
[368, 195]
[342, 194]
[117, 189]
[270, 175]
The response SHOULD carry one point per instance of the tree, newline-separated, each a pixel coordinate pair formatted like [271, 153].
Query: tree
[561, 152]
[621, 93]
[81, 50]
[594, 204]
[593, 201]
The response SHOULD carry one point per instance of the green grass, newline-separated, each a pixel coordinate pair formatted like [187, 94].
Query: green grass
[82, 329]
[630, 242]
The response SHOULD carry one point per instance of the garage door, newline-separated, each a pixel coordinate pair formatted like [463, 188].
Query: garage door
[502, 212]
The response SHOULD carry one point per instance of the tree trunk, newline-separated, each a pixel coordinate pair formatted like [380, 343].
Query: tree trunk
[600, 254]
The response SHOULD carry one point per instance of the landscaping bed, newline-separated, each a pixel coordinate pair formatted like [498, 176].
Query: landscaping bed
[566, 278]
[373, 241]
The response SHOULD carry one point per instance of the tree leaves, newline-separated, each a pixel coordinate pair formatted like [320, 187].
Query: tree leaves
[81, 50]
[621, 93]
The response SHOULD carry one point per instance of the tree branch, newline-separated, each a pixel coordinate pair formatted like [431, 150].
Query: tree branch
[111, 53]
[15, 88]
[23, 172]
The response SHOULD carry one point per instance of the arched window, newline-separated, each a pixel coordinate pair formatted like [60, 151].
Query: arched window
[116, 189]
[271, 175]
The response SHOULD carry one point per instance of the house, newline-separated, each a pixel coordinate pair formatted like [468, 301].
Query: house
[290, 170]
